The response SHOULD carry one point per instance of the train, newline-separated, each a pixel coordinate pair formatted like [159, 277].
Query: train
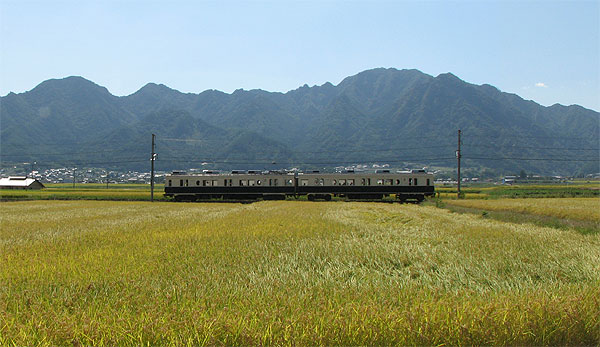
[406, 186]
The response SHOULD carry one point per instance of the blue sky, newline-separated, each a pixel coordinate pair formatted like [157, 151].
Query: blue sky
[546, 51]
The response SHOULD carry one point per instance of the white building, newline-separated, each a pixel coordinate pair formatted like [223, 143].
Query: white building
[20, 182]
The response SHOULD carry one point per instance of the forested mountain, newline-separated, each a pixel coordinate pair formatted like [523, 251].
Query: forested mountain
[404, 118]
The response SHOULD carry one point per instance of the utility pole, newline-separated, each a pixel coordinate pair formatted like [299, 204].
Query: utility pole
[74, 174]
[152, 158]
[458, 159]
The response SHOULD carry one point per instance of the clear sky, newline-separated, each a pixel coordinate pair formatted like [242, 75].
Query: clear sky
[547, 51]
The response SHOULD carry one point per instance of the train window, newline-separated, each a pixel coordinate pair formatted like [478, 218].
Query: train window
[334, 182]
[363, 181]
[303, 182]
[186, 183]
[398, 182]
[389, 182]
[197, 183]
[258, 182]
[275, 182]
[350, 182]
[416, 182]
[368, 181]
[251, 183]
[242, 183]
[170, 183]
[215, 183]
[342, 182]
[379, 182]
[289, 182]
[321, 182]
[181, 183]
[410, 181]
[428, 183]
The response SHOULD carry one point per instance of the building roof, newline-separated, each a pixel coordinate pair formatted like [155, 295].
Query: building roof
[17, 181]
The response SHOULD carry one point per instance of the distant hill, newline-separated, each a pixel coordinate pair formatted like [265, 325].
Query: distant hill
[404, 118]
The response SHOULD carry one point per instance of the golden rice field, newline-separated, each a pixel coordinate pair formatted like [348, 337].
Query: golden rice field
[289, 273]
[587, 209]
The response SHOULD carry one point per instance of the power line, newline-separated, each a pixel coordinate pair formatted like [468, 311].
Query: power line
[78, 143]
[533, 137]
[349, 151]
[528, 147]
[533, 159]
[176, 160]
[98, 163]
[373, 150]
[59, 154]
[272, 157]
[396, 139]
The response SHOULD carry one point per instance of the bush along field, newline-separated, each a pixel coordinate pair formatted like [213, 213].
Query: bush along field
[290, 273]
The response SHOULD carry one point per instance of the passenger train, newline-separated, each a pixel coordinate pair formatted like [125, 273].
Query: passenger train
[412, 185]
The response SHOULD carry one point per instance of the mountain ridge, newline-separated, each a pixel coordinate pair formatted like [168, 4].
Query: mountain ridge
[378, 108]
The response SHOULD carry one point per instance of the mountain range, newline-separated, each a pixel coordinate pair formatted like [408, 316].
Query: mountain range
[404, 118]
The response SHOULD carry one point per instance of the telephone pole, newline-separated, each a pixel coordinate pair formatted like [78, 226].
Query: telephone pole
[152, 158]
[458, 159]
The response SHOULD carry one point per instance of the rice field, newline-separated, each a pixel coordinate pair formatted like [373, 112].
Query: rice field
[483, 191]
[585, 209]
[124, 192]
[289, 273]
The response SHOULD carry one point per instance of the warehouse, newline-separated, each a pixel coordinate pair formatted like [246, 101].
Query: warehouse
[20, 182]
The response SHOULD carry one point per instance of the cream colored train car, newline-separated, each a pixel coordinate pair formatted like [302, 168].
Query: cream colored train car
[412, 185]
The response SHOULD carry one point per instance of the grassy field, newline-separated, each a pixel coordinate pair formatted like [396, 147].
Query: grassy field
[133, 273]
[483, 191]
[127, 192]
[587, 209]
[579, 214]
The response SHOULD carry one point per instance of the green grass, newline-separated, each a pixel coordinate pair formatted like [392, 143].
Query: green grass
[133, 273]
[127, 192]
[136, 186]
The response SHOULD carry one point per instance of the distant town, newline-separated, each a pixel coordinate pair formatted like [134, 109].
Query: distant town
[107, 176]
[86, 175]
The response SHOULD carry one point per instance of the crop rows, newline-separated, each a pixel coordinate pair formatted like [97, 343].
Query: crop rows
[131, 273]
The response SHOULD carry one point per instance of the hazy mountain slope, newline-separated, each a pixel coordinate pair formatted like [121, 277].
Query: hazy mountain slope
[58, 113]
[379, 115]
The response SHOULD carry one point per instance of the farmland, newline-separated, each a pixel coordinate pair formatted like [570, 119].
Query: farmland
[131, 273]
[587, 209]
[141, 192]
[577, 214]
[574, 189]
[120, 192]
